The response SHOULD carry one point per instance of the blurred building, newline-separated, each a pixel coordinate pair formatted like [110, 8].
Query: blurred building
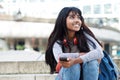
[29, 22]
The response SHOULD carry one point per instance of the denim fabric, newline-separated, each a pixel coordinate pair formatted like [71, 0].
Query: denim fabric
[90, 72]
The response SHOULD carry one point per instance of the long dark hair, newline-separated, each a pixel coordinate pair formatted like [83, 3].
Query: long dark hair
[60, 30]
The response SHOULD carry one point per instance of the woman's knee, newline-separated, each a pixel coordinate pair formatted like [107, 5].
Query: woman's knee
[71, 73]
[91, 65]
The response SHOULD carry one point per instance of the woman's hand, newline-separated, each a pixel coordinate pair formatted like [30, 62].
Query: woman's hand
[68, 63]
[71, 62]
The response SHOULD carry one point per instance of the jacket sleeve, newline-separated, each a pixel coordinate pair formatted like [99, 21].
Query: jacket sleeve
[57, 52]
[94, 53]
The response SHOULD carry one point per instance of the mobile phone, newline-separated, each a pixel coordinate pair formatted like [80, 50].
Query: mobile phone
[64, 59]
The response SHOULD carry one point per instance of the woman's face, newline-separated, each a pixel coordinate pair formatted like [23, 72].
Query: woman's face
[73, 22]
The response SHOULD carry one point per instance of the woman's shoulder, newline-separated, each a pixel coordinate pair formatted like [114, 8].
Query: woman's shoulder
[58, 43]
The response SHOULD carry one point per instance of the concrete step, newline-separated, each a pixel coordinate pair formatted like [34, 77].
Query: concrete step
[28, 77]
[20, 55]
[22, 62]
[21, 65]
[24, 67]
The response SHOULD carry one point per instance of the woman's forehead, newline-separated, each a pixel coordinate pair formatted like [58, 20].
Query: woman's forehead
[73, 13]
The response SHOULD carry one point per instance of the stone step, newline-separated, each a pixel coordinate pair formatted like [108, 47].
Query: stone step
[24, 67]
[28, 77]
[22, 62]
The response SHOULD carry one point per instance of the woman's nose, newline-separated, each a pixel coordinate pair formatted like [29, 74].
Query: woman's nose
[77, 20]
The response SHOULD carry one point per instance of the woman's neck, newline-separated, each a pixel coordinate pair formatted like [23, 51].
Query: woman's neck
[71, 35]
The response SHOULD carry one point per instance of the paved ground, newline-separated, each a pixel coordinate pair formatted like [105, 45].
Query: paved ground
[21, 56]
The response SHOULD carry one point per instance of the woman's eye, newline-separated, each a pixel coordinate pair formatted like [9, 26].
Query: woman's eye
[79, 17]
[71, 17]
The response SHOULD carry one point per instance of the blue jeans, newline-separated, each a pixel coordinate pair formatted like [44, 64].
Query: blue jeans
[90, 71]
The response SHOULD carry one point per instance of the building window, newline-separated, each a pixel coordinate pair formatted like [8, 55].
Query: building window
[97, 9]
[14, 1]
[107, 8]
[87, 9]
[116, 8]
[1, 0]
[19, 44]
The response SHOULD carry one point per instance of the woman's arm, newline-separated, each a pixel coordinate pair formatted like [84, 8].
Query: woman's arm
[93, 54]
[57, 52]
[74, 58]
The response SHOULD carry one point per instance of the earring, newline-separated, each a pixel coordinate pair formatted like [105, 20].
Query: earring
[81, 28]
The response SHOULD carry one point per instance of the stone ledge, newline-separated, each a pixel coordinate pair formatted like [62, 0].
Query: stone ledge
[24, 67]
[28, 77]
[29, 67]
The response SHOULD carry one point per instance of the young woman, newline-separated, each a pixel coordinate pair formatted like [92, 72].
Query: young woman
[71, 38]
